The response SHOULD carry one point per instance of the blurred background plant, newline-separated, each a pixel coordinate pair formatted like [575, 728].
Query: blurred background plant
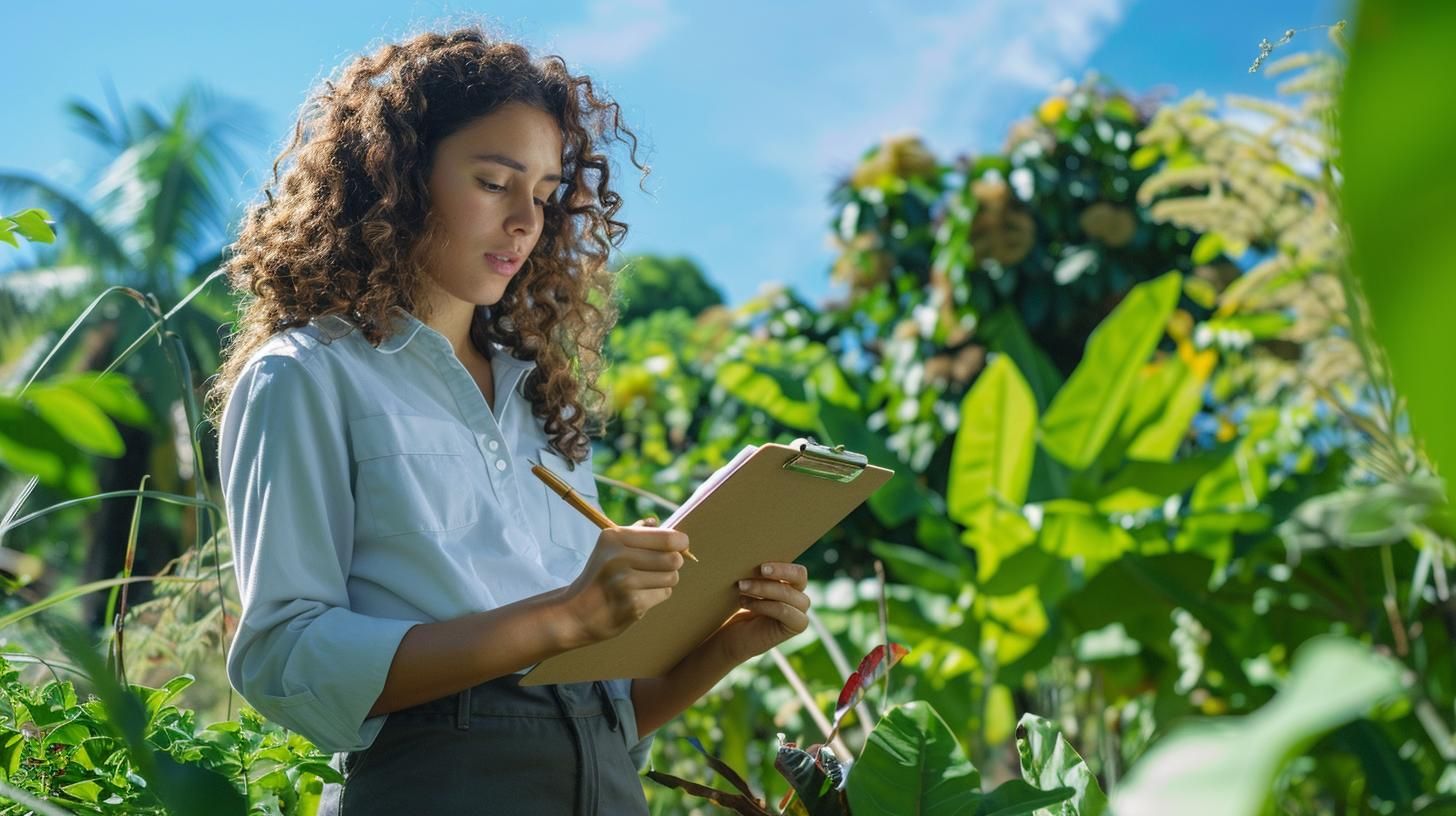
[1147, 448]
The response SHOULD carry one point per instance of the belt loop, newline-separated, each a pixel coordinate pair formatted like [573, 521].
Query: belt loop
[462, 710]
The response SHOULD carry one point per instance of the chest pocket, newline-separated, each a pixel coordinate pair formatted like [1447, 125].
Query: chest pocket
[413, 475]
[573, 535]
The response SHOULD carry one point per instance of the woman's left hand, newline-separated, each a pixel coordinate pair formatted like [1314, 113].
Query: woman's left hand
[774, 609]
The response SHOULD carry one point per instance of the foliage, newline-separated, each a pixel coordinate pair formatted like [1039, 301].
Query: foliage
[649, 283]
[1394, 161]
[1148, 464]
[133, 750]
[911, 763]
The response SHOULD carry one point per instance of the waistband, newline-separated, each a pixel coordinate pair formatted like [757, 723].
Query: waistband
[506, 697]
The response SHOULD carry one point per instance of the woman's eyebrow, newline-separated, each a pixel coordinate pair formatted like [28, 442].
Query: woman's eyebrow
[511, 163]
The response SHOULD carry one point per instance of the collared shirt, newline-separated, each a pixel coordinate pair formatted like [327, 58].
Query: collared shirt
[369, 489]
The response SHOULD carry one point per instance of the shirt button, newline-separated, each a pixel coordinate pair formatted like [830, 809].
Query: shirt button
[493, 445]
[500, 464]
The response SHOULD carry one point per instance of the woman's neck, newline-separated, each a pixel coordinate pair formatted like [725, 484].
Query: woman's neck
[453, 321]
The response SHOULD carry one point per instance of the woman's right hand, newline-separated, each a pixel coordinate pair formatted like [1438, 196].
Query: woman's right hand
[631, 570]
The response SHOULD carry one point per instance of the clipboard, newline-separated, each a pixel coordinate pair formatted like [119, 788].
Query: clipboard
[775, 505]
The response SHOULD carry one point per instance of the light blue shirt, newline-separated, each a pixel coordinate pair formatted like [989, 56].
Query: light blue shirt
[370, 489]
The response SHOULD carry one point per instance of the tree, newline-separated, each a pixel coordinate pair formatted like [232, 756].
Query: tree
[156, 222]
[651, 283]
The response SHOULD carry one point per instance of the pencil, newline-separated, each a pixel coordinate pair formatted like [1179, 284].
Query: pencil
[564, 490]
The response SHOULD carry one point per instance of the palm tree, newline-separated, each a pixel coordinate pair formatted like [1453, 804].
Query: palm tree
[155, 219]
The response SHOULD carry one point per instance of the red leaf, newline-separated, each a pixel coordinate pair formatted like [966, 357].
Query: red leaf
[871, 669]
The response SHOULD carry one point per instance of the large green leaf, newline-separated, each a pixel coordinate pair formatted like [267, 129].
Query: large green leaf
[770, 389]
[1076, 530]
[991, 461]
[77, 419]
[1395, 143]
[1227, 767]
[1017, 798]
[1049, 761]
[29, 444]
[913, 766]
[996, 533]
[1087, 410]
[1007, 334]
[1145, 485]
[1171, 409]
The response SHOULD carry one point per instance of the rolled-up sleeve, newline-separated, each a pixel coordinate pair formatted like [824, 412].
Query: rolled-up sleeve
[300, 656]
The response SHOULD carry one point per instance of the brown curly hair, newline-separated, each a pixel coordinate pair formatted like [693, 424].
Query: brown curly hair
[349, 227]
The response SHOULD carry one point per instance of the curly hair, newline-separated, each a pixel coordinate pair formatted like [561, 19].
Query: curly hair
[349, 229]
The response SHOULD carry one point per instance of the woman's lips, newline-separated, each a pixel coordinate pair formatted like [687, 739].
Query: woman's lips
[502, 267]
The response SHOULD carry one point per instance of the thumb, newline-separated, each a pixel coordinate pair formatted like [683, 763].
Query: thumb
[650, 521]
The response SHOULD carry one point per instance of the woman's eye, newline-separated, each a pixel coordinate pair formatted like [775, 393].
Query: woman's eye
[490, 185]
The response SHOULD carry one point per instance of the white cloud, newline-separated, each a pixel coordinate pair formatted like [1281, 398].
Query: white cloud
[947, 77]
[1061, 37]
[615, 33]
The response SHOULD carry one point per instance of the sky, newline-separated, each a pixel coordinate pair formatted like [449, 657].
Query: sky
[748, 112]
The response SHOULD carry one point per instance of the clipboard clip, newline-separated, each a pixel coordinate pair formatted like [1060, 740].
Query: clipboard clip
[821, 461]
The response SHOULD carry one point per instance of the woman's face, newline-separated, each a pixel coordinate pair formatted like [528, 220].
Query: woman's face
[488, 187]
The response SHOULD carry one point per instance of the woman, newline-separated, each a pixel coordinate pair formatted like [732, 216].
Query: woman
[426, 296]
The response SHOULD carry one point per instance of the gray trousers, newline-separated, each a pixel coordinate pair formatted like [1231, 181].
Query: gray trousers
[499, 749]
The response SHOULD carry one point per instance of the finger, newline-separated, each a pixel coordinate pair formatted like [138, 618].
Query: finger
[650, 521]
[775, 591]
[649, 579]
[795, 574]
[794, 620]
[653, 538]
[652, 560]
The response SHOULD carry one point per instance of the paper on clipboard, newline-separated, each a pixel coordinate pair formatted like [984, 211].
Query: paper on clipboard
[767, 504]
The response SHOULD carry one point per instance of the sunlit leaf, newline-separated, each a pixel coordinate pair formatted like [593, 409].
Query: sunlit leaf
[1227, 767]
[913, 764]
[1084, 414]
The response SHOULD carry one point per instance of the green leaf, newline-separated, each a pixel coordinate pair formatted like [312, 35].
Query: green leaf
[111, 392]
[1084, 414]
[29, 444]
[1049, 761]
[1016, 798]
[770, 390]
[996, 533]
[1142, 486]
[913, 766]
[1395, 194]
[32, 224]
[1165, 423]
[1145, 157]
[87, 791]
[12, 751]
[1228, 766]
[916, 567]
[1392, 777]
[1005, 333]
[1208, 247]
[1239, 482]
[991, 460]
[1082, 533]
[77, 420]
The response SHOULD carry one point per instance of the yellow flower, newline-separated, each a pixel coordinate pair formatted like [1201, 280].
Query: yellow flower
[1051, 111]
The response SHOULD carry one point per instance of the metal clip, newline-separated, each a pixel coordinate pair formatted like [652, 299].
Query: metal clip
[835, 464]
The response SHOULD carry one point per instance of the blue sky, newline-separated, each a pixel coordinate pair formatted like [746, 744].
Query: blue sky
[749, 110]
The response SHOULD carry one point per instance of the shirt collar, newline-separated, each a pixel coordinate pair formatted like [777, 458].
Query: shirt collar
[405, 327]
